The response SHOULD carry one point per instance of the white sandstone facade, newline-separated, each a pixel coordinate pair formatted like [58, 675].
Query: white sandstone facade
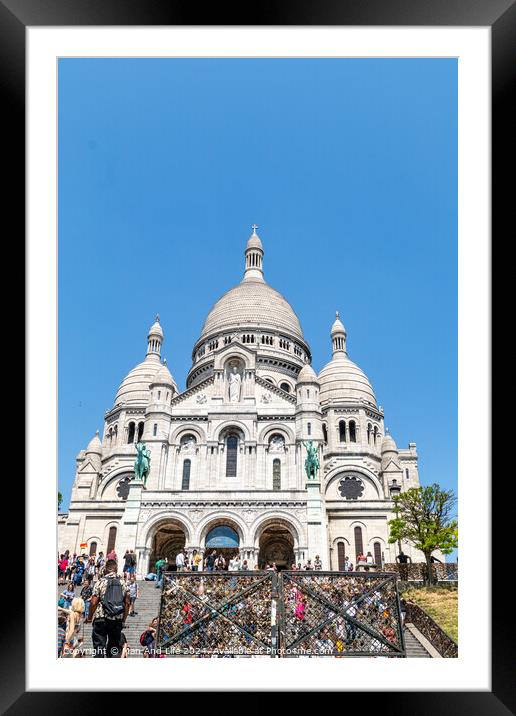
[228, 452]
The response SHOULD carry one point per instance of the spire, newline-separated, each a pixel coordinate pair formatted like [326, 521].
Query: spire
[253, 258]
[338, 336]
[154, 340]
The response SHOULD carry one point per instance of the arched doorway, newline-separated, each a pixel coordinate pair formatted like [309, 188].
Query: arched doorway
[276, 544]
[168, 540]
[222, 539]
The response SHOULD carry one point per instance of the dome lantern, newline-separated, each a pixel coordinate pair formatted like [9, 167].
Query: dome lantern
[338, 335]
[155, 339]
[254, 258]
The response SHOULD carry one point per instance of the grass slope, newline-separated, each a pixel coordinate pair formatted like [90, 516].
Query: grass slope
[441, 604]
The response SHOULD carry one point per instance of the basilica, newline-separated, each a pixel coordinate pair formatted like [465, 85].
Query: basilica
[227, 454]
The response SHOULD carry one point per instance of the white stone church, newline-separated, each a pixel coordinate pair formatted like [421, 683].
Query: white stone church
[227, 454]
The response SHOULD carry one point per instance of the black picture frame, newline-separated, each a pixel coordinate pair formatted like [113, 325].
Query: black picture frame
[500, 16]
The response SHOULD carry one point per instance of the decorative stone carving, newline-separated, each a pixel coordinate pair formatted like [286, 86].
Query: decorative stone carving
[201, 399]
[188, 444]
[266, 397]
[277, 444]
[195, 515]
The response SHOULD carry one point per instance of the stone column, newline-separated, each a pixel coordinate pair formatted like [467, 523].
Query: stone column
[316, 518]
[126, 537]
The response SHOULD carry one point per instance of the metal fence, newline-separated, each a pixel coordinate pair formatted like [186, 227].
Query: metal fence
[290, 614]
[218, 614]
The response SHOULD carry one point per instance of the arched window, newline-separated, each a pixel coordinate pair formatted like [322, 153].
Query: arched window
[378, 554]
[140, 432]
[352, 431]
[276, 474]
[93, 548]
[341, 555]
[375, 434]
[231, 455]
[111, 539]
[155, 429]
[325, 433]
[369, 428]
[115, 434]
[342, 431]
[359, 545]
[130, 434]
[285, 387]
[309, 428]
[185, 484]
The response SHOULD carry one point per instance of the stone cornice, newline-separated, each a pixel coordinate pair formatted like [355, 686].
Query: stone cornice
[262, 418]
[224, 503]
[189, 418]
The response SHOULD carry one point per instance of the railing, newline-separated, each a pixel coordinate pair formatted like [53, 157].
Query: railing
[217, 614]
[439, 639]
[336, 614]
[417, 571]
[287, 615]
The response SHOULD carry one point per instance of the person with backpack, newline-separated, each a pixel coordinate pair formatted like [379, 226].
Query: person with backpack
[148, 639]
[109, 607]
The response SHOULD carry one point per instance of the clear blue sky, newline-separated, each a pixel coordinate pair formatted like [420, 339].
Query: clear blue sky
[347, 166]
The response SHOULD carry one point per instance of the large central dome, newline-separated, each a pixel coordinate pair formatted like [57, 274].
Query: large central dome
[252, 304]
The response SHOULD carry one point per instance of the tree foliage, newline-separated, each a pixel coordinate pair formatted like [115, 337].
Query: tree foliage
[59, 500]
[424, 517]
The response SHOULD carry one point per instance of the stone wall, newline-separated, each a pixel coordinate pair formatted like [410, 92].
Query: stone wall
[416, 571]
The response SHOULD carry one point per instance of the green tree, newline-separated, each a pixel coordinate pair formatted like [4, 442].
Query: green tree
[424, 517]
[59, 500]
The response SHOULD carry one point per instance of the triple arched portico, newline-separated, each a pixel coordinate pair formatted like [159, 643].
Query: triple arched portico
[275, 537]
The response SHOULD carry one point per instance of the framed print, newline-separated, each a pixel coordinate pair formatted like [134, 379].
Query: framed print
[258, 255]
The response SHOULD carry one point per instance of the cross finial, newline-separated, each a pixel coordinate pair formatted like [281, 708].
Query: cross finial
[157, 318]
[254, 227]
[337, 314]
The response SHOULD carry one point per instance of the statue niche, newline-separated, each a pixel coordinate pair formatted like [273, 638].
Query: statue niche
[234, 379]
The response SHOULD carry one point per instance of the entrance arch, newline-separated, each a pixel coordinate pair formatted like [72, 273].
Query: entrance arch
[276, 543]
[169, 539]
[222, 535]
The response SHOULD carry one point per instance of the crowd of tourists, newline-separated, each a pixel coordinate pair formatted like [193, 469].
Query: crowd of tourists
[103, 590]
[95, 592]
[214, 561]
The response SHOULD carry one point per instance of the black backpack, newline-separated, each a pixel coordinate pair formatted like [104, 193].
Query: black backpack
[113, 599]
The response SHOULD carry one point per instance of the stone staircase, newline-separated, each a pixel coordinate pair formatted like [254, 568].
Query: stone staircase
[415, 650]
[147, 607]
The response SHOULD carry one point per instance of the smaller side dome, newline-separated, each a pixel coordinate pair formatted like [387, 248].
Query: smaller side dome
[164, 377]
[389, 451]
[307, 374]
[94, 446]
[388, 444]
